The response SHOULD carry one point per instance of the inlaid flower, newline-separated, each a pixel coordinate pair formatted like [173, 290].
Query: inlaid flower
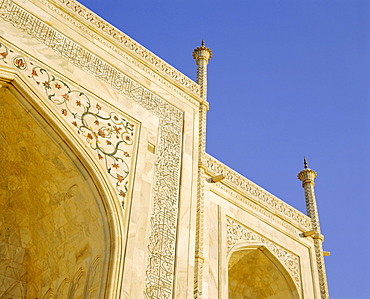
[117, 129]
[120, 178]
[101, 133]
[20, 63]
[46, 84]
[65, 96]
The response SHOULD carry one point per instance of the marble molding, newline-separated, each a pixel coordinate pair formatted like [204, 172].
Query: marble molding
[261, 196]
[121, 43]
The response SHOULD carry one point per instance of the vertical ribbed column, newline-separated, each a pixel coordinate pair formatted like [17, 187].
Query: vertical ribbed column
[201, 55]
[307, 176]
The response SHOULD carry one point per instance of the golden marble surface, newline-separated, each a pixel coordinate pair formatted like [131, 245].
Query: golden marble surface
[51, 227]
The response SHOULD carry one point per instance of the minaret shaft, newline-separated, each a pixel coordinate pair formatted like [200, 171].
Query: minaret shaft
[202, 77]
[311, 206]
[201, 55]
[307, 176]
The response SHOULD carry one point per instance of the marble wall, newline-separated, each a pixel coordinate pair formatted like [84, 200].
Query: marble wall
[144, 220]
[52, 232]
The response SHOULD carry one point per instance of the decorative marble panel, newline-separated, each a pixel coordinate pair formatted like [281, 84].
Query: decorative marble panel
[125, 41]
[161, 248]
[109, 134]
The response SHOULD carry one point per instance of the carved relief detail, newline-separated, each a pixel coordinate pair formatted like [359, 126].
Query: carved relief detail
[161, 248]
[257, 193]
[109, 134]
[49, 294]
[236, 199]
[199, 237]
[62, 290]
[85, 15]
[129, 44]
[199, 232]
[238, 233]
[78, 288]
[87, 61]
[162, 241]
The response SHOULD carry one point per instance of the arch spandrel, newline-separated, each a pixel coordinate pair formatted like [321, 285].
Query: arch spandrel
[104, 135]
[58, 214]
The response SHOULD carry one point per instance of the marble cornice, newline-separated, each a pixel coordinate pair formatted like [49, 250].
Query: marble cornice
[119, 42]
[253, 192]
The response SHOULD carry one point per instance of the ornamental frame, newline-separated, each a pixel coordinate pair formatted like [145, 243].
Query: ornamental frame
[163, 220]
[238, 233]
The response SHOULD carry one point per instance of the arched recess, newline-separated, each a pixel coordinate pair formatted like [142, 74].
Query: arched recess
[58, 211]
[254, 272]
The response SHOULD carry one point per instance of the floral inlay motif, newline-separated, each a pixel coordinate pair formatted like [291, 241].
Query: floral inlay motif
[238, 233]
[4, 52]
[20, 62]
[109, 135]
[162, 240]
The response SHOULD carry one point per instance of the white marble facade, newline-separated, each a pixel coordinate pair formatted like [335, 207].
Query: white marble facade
[131, 129]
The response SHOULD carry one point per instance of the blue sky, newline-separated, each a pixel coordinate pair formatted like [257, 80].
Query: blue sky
[287, 79]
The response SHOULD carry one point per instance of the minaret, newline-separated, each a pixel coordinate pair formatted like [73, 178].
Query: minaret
[201, 55]
[307, 176]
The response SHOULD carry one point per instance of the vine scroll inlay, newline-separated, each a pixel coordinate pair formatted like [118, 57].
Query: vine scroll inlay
[108, 134]
[161, 248]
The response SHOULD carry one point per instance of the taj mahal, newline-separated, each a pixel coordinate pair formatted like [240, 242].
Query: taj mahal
[106, 187]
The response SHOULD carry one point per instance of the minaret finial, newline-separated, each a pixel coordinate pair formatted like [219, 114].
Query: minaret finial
[202, 52]
[305, 163]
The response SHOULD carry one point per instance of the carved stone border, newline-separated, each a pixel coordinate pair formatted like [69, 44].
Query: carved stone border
[261, 196]
[161, 248]
[236, 199]
[115, 35]
[238, 233]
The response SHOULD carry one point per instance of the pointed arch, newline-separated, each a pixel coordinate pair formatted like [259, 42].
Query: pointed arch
[110, 209]
[256, 272]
